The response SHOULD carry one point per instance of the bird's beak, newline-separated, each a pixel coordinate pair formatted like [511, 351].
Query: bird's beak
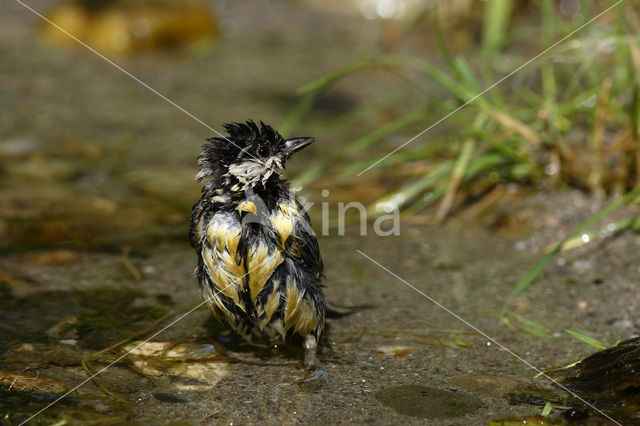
[296, 144]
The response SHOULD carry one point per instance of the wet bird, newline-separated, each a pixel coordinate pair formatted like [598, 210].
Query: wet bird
[259, 264]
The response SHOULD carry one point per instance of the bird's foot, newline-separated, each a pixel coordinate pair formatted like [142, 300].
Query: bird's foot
[313, 378]
[315, 373]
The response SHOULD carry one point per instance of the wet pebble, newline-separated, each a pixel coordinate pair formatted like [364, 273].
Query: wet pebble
[393, 350]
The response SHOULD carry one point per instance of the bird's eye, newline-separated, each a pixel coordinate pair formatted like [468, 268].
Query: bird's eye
[263, 151]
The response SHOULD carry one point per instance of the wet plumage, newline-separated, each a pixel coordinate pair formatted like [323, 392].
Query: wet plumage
[259, 264]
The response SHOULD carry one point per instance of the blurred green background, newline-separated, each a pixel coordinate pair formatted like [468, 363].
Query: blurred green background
[91, 157]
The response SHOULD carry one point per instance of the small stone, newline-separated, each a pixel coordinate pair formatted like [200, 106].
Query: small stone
[393, 350]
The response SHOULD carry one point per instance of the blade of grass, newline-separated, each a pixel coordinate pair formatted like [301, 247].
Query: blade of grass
[514, 125]
[586, 339]
[526, 325]
[549, 86]
[467, 74]
[547, 8]
[632, 17]
[478, 165]
[424, 202]
[454, 87]
[381, 61]
[298, 111]
[372, 108]
[365, 112]
[399, 198]
[577, 103]
[487, 200]
[533, 327]
[622, 74]
[312, 91]
[461, 164]
[338, 74]
[458, 66]
[442, 44]
[588, 237]
[575, 86]
[634, 119]
[597, 151]
[385, 130]
[503, 147]
[497, 14]
[495, 94]
[310, 175]
[433, 148]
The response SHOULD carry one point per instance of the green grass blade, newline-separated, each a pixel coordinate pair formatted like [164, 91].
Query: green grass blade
[385, 130]
[336, 75]
[532, 327]
[419, 154]
[497, 14]
[467, 74]
[466, 151]
[424, 202]
[478, 165]
[502, 147]
[609, 229]
[440, 38]
[382, 61]
[586, 339]
[298, 111]
[309, 176]
[399, 198]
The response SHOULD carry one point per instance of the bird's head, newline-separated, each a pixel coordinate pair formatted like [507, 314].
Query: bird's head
[249, 157]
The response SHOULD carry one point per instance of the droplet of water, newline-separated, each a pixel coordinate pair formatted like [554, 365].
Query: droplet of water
[551, 169]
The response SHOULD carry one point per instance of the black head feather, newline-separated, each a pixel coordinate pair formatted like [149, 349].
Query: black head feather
[243, 139]
[246, 142]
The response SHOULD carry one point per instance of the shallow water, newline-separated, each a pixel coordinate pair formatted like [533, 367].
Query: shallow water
[231, 382]
[96, 187]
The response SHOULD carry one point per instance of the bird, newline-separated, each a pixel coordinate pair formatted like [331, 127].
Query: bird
[259, 263]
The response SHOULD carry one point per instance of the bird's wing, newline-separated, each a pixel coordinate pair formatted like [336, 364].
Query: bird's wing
[216, 232]
[303, 245]
[195, 223]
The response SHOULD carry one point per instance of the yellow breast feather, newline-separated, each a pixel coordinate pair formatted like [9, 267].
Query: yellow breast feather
[271, 305]
[261, 262]
[247, 206]
[283, 220]
[219, 257]
[294, 302]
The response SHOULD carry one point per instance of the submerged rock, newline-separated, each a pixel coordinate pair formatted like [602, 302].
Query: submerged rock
[611, 376]
[609, 380]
